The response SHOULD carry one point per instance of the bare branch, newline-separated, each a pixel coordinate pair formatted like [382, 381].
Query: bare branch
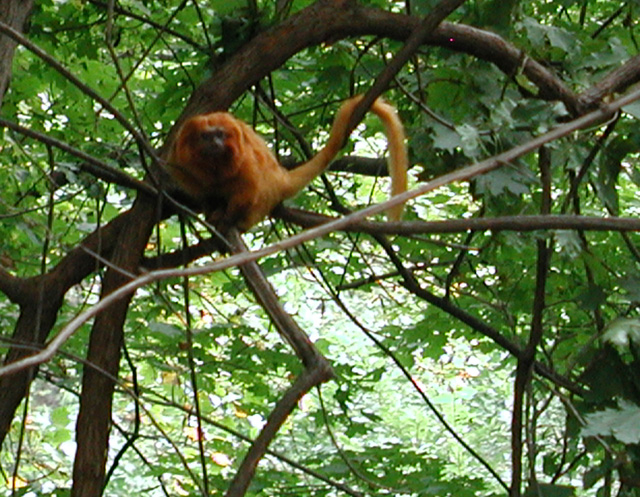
[504, 223]
[317, 368]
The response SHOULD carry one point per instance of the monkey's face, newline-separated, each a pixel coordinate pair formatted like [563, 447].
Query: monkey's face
[217, 154]
[202, 156]
[212, 144]
[205, 143]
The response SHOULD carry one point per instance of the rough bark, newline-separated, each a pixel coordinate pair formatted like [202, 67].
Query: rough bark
[103, 358]
[15, 14]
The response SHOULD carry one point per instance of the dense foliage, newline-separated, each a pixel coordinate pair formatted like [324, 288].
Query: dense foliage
[430, 330]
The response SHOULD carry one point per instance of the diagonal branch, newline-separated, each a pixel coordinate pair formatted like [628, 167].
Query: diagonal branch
[317, 369]
[96, 167]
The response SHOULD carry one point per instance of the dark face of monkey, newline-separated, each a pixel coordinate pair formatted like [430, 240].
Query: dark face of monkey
[212, 144]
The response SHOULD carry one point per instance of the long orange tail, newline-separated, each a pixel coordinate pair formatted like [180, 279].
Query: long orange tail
[398, 159]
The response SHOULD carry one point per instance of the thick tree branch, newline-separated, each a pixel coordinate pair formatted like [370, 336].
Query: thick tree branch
[40, 299]
[331, 20]
[617, 81]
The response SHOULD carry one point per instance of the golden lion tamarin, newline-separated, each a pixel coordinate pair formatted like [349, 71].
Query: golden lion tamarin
[223, 164]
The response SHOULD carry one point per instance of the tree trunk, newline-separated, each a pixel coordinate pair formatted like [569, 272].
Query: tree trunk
[14, 13]
[103, 358]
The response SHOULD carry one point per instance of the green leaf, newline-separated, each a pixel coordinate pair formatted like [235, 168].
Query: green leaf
[469, 139]
[445, 138]
[60, 416]
[623, 331]
[622, 423]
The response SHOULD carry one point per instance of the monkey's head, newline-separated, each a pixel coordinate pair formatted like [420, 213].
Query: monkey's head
[204, 152]
[204, 143]
[216, 154]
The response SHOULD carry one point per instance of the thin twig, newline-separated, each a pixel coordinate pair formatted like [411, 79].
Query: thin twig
[417, 37]
[192, 371]
[526, 360]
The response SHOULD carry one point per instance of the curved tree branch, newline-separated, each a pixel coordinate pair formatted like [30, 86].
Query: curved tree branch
[38, 313]
[329, 20]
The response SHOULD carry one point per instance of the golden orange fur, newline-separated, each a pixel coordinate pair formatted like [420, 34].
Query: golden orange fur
[222, 163]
